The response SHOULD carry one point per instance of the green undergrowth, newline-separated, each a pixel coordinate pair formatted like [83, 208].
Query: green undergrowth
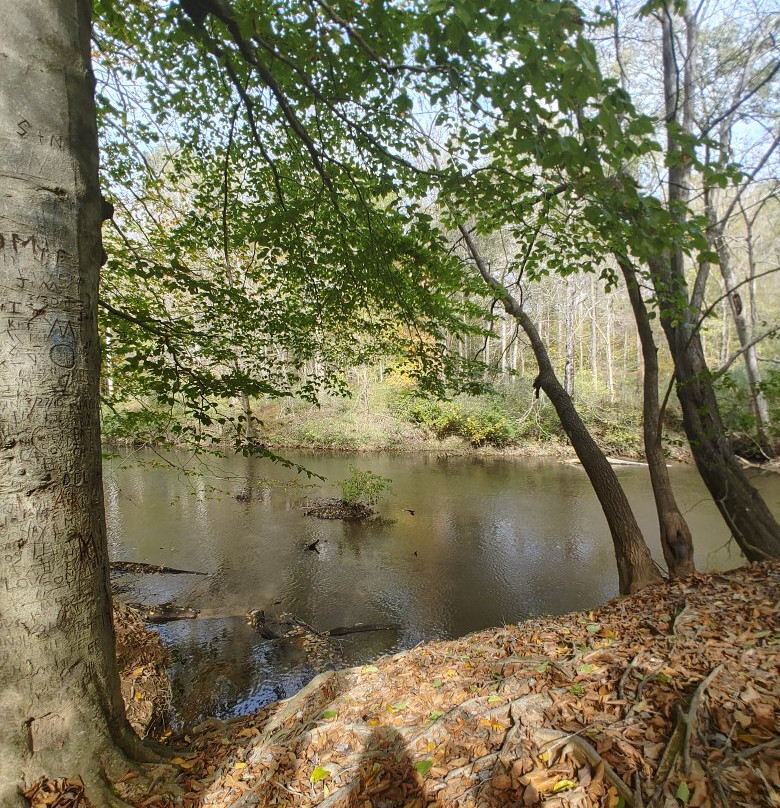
[395, 415]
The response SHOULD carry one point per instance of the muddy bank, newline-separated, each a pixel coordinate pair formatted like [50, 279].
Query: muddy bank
[141, 659]
[669, 697]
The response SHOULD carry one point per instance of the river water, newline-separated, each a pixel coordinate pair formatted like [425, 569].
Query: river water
[464, 543]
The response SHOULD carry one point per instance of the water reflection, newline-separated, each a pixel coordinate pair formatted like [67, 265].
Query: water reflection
[491, 540]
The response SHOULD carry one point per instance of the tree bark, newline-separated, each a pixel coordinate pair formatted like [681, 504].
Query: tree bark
[676, 541]
[744, 511]
[62, 711]
[636, 568]
[739, 312]
[751, 523]
[568, 365]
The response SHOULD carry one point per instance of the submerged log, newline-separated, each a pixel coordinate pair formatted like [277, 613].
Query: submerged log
[340, 631]
[141, 568]
[164, 612]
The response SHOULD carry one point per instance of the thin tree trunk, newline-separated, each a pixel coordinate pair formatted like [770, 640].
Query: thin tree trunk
[503, 348]
[750, 356]
[594, 351]
[725, 333]
[59, 688]
[636, 568]
[676, 541]
[108, 374]
[568, 367]
[608, 341]
[249, 419]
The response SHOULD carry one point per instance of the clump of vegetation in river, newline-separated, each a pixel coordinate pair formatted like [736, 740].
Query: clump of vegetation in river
[363, 487]
[359, 493]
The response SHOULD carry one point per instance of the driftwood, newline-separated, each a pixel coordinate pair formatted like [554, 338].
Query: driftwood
[613, 461]
[164, 612]
[340, 631]
[286, 625]
[142, 568]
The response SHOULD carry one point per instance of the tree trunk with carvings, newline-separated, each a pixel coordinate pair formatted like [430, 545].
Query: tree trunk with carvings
[61, 708]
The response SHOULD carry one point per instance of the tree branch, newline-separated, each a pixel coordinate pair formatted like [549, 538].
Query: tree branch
[716, 374]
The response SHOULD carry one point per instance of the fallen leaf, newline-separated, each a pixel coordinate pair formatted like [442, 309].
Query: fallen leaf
[319, 774]
[423, 766]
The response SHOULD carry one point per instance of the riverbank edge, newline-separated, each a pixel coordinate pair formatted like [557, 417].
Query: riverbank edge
[669, 696]
[552, 450]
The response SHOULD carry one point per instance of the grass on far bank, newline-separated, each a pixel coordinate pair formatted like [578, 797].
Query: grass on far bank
[393, 415]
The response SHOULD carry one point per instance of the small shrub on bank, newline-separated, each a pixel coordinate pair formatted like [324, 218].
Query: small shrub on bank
[481, 421]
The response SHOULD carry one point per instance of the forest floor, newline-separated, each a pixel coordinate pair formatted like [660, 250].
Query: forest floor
[666, 698]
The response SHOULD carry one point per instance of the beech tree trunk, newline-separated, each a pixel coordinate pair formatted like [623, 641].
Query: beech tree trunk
[676, 541]
[636, 568]
[62, 711]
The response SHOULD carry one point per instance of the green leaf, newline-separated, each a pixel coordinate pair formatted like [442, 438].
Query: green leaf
[369, 669]
[319, 774]
[436, 715]
[330, 714]
[494, 698]
[683, 793]
[564, 785]
[577, 690]
[400, 705]
[436, 683]
[593, 628]
[423, 766]
[586, 669]
[542, 668]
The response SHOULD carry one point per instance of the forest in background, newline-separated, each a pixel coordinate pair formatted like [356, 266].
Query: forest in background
[187, 358]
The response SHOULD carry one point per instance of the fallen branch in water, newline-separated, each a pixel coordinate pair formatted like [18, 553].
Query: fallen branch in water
[340, 631]
[142, 568]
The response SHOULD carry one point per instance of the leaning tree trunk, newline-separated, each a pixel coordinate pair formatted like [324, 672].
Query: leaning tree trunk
[748, 518]
[676, 541]
[744, 511]
[62, 711]
[636, 568]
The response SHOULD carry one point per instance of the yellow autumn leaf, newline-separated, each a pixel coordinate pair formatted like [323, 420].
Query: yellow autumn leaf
[185, 764]
[240, 765]
[137, 672]
[564, 785]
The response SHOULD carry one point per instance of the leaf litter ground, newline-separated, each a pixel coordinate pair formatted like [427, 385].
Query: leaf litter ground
[666, 698]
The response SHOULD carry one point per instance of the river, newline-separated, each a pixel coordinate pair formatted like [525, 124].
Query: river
[464, 543]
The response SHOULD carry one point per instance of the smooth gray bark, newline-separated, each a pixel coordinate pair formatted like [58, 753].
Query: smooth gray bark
[60, 705]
